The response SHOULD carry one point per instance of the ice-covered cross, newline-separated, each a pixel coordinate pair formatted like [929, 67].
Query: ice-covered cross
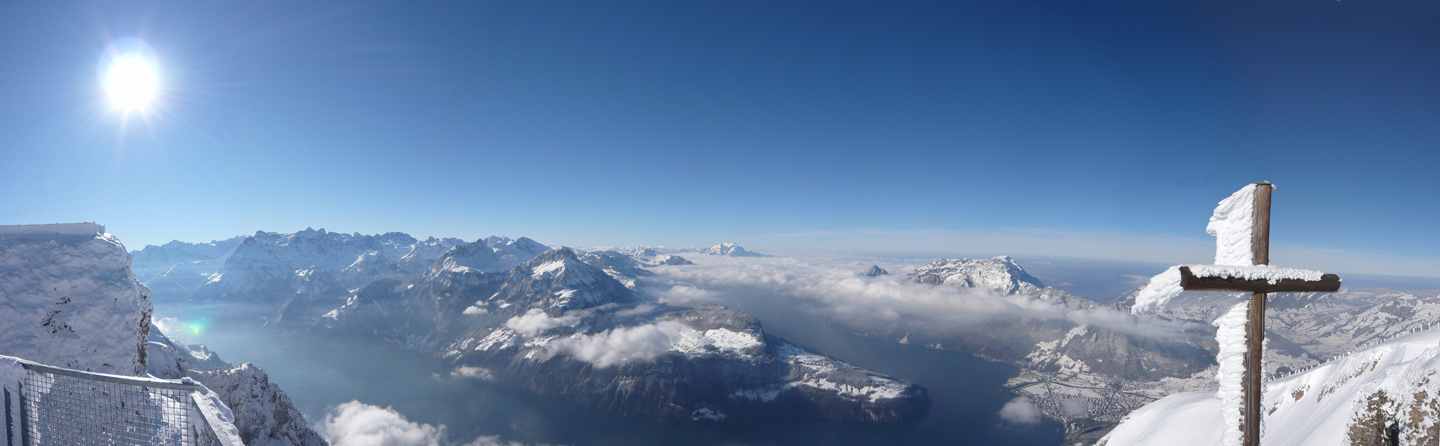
[1241, 226]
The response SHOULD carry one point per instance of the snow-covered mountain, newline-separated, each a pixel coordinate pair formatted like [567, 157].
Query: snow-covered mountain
[652, 256]
[555, 321]
[724, 249]
[1386, 394]
[156, 260]
[1000, 274]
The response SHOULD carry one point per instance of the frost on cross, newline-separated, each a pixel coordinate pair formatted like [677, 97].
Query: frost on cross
[1241, 226]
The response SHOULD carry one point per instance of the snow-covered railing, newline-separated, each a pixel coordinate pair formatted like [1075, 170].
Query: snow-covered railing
[56, 406]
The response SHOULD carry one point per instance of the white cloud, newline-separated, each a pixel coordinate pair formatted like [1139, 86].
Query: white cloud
[359, 424]
[1020, 411]
[535, 321]
[471, 310]
[832, 285]
[682, 294]
[472, 372]
[622, 344]
[637, 310]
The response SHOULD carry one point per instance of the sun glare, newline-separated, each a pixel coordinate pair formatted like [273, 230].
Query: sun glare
[131, 82]
[130, 75]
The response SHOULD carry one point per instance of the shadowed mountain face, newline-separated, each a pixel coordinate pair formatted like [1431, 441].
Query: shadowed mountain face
[554, 321]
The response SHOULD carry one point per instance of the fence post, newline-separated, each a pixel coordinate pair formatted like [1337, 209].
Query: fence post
[9, 434]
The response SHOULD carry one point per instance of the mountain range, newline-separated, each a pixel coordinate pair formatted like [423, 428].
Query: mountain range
[538, 317]
[557, 321]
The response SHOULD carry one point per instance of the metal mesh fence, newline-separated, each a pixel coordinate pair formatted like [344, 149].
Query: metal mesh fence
[68, 407]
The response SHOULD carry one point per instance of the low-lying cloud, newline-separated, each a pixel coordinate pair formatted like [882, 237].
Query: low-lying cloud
[1021, 411]
[833, 286]
[358, 424]
[480, 373]
[536, 321]
[622, 344]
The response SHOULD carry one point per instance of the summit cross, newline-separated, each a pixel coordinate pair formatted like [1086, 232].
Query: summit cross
[1219, 279]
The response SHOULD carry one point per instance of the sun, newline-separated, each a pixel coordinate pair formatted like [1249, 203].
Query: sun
[130, 75]
[131, 82]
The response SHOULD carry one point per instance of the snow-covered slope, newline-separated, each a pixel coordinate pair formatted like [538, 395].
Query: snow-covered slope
[72, 301]
[1000, 274]
[1385, 394]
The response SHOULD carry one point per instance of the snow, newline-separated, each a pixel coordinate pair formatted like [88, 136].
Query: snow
[11, 374]
[822, 369]
[1267, 273]
[696, 343]
[1164, 288]
[547, 267]
[812, 361]
[213, 408]
[88, 228]
[500, 337]
[999, 274]
[1232, 224]
[1321, 406]
[1181, 419]
[1230, 334]
[73, 302]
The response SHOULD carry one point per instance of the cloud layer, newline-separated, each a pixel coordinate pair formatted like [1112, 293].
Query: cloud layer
[833, 286]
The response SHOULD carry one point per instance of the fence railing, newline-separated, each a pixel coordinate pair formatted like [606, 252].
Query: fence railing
[56, 406]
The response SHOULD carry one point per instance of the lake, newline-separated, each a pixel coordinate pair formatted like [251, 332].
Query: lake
[966, 393]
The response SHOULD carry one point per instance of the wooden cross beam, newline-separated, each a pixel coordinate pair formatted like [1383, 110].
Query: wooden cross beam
[1255, 324]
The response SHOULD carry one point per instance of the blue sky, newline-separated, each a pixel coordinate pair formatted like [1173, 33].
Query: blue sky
[1078, 129]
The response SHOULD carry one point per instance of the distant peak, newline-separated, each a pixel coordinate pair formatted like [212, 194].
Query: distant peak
[729, 249]
[999, 273]
[561, 253]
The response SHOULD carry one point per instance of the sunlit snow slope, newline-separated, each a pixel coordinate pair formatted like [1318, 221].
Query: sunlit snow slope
[1385, 394]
